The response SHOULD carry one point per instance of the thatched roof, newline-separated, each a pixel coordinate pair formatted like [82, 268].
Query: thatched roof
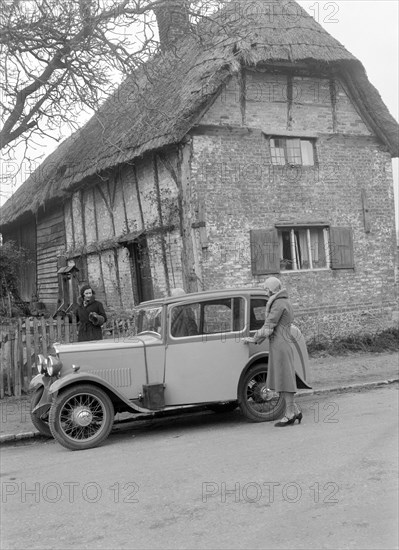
[161, 101]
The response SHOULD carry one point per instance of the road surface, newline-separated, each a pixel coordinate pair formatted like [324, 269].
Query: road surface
[215, 481]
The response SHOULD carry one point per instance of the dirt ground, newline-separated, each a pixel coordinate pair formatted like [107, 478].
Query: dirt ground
[326, 372]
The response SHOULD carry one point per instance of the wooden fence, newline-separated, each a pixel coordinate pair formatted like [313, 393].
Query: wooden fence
[22, 340]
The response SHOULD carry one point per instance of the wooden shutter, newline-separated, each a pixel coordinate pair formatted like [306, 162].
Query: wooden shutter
[265, 257]
[341, 248]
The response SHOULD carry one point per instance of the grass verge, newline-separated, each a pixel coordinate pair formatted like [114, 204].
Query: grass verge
[386, 340]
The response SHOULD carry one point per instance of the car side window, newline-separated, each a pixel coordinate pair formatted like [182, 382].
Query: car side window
[224, 315]
[184, 320]
[210, 317]
[257, 313]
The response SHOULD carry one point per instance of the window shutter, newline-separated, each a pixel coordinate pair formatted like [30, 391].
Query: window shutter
[341, 248]
[265, 257]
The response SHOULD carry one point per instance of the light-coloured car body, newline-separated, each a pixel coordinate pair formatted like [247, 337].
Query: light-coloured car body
[158, 369]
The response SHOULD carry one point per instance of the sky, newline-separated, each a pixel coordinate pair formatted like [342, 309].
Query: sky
[367, 28]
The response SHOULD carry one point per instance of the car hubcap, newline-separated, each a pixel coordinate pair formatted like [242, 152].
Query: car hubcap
[82, 417]
[259, 395]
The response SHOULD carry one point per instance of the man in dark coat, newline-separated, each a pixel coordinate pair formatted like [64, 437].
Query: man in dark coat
[90, 315]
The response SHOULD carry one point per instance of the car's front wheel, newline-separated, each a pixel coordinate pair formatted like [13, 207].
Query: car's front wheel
[81, 417]
[257, 402]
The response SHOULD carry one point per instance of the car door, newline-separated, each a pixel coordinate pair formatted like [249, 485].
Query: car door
[204, 364]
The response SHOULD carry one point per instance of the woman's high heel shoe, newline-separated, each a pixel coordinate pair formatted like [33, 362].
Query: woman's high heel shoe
[287, 422]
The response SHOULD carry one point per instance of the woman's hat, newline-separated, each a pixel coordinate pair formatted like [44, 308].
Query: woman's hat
[273, 284]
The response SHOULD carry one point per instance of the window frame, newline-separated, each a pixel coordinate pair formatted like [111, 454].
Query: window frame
[202, 304]
[285, 139]
[265, 247]
[308, 228]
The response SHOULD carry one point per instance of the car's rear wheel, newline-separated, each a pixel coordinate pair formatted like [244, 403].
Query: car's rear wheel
[39, 423]
[257, 402]
[81, 417]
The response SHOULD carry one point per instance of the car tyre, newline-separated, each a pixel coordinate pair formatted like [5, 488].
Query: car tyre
[41, 425]
[81, 417]
[257, 402]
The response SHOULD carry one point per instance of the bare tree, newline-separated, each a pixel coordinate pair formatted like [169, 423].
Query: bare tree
[62, 56]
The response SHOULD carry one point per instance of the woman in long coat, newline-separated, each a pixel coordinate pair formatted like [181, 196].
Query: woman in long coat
[277, 327]
[90, 315]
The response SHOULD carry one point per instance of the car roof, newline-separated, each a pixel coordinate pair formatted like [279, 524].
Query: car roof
[224, 293]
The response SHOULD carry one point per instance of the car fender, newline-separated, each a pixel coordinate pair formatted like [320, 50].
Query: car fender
[84, 378]
[36, 382]
[301, 359]
[255, 358]
[46, 399]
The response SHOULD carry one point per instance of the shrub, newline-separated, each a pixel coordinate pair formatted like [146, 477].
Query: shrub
[385, 340]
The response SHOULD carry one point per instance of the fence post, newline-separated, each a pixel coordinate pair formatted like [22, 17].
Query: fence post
[66, 328]
[44, 336]
[74, 328]
[3, 362]
[51, 331]
[10, 361]
[59, 330]
[28, 350]
[36, 338]
[21, 369]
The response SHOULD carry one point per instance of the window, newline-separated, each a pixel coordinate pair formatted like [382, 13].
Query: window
[301, 247]
[210, 317]
[292, 151]
[257, 313]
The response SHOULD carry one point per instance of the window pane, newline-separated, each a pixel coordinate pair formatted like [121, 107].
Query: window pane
[307, 153]
[257, 313]
[317, 247]
[149, 319]
[294, 151]
[286, 262]
[217, 317]
[302, 249]
[184, 320]
[277, 151]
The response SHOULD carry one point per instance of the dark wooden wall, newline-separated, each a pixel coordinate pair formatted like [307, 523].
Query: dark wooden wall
[50, 239]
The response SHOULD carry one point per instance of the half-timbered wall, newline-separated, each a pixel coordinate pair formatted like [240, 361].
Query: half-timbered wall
[132, 204]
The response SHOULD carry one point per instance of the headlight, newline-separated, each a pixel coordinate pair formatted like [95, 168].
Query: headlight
[41, 364]
[54, 365]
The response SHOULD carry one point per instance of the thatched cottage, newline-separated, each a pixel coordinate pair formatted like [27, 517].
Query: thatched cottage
[254, 145]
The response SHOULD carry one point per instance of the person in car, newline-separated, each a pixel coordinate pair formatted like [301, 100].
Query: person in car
[90, 315]
[281, 372]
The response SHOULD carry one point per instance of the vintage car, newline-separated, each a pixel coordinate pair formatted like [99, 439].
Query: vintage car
[186, 352]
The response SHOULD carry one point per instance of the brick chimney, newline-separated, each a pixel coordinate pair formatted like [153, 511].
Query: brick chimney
[173, 22]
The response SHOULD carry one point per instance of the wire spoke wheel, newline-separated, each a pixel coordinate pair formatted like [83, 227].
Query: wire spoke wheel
[257, 402]
[81, 417]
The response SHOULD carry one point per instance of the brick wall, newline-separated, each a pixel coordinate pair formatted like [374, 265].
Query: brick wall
[242, 190]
